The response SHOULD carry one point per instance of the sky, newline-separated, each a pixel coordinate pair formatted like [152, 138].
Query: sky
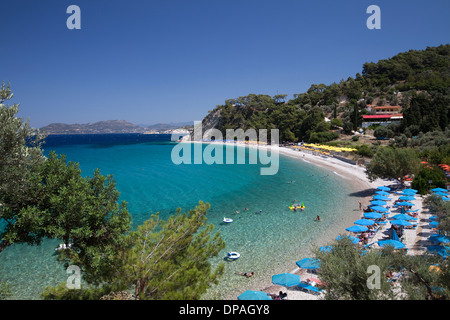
[162, 61]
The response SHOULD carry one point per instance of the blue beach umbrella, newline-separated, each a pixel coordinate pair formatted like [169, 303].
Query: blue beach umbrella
[379, 209]
[433, 218]
[445, 199]
[440, 250]
[394, 235]
[402, 216]
[353, 239]
[408, 193]
[378, 202]
[407, 198]
[434, 224]
[286, 279]
[383, 188]
[364, 222]
[444, 194]
[373, 215]
[357, 229]
[326, 248]
[254, 295]
[402, 223]
[308, 263]
[439, 190]
[392, 243]
[410, 190]
[439, 238]
[406, 204]
[382, 193]
[380, 197]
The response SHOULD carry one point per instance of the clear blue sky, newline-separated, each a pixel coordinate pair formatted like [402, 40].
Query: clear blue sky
[173, 60]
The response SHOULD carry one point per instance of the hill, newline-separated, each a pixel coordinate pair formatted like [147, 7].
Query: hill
[417, 80]
[168, 126]
[110, 126]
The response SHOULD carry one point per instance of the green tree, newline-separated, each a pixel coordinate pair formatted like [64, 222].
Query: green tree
[344, 271]
[383, 132]
[169, 259]
[20, 155]
[280, 98]
[311, 122]
[428, 178]
[393, 163]
[160, 260]
[347, 272]
[83, 212]
[365, 150]
[5, 290]
[442, 209]
[336, 122]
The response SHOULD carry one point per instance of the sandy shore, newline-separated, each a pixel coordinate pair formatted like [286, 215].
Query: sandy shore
[414, 239]
[357, 177]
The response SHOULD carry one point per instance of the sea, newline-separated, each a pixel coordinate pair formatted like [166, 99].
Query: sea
[269, 236]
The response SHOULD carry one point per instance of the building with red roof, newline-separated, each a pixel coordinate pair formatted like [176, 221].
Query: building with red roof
[384, 115]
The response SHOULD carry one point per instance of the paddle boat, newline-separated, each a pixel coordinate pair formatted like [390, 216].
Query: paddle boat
[301, 207]
[227, 220]
[233, 255]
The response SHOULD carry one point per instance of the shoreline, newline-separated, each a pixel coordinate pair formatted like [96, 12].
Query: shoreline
[416, 239]
[356, 176]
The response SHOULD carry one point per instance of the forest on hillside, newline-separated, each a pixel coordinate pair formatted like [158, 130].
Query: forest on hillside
[417, 80]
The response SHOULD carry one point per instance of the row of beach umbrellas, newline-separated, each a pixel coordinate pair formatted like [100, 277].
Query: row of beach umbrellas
[379, 200]
[282, 279]
[377, 204]
[439, 239]
[442, 192]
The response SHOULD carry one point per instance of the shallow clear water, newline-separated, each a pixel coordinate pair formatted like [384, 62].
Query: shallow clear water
[269, 242]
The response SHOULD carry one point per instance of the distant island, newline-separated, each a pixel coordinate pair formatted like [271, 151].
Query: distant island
[114, 126]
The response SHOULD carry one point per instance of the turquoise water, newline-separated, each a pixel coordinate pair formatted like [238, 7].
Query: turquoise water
[269, 242]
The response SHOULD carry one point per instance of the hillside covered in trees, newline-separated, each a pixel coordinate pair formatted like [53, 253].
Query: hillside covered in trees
[417, 80]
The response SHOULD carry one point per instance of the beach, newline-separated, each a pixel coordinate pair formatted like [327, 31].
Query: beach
[415, 239]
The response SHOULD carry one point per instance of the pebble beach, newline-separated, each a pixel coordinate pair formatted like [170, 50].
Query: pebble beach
[415, 239]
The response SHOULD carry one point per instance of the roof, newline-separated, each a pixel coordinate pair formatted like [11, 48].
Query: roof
[378, 116]
[384, 116]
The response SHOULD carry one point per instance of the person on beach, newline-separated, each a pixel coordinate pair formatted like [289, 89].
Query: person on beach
[360, 205]
[317, 218]
[282, 295]
[246, 274]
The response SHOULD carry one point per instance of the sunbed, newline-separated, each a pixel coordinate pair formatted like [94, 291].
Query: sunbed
[309, 288]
